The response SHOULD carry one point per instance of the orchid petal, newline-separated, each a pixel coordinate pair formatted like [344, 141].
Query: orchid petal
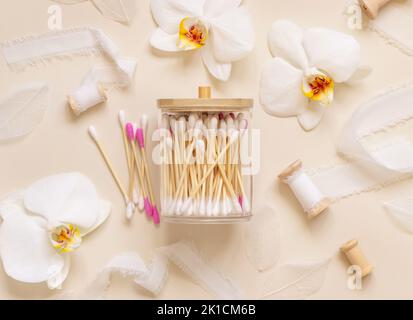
[105, 207]
[219, 70]
[333, 52]
[311, 117]
[25, 249]
[70, 198]
[169, 13]
[215, 8]
[233, 35]
[280, 89]
[286, 41]
[10, 204]
[164, 41]
[59, 276]
[361, 73]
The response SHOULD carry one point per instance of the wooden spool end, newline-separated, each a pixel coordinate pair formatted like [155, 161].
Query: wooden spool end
[356, 257]
[319, 208]
[290, 170]
[372, 7]
[75, 106]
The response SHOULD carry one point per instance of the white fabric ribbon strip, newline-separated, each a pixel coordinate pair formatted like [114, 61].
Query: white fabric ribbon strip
[31, 50]
[395, 24]
[153, 277]
[371, 165]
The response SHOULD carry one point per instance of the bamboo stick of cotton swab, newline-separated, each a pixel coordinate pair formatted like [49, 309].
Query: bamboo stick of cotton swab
[94, 135]
[141, 142]
[233, 139]
[131, 137]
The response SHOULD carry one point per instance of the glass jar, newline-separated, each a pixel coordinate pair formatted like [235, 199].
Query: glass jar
[205, 164]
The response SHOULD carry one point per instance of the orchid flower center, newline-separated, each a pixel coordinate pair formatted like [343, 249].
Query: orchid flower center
[65, 237]
[319, 87]
[193, 33]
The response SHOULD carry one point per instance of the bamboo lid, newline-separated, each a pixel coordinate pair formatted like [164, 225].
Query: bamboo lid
[205, 101]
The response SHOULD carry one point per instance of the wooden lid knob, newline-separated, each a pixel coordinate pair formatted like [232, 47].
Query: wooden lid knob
[204, 92]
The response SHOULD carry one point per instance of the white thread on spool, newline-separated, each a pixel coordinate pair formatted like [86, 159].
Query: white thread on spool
[304, 189]
[86, 97]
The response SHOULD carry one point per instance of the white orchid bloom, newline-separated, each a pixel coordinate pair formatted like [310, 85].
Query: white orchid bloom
[220, 29]
[43, 223]
[300, 80]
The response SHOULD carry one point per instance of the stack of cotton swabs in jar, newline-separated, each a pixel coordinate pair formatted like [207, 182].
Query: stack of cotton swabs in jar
[202, 171]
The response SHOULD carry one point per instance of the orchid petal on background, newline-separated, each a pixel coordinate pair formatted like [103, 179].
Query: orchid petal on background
[333, 52]
[164, 41]
[46, 221]
[233, 36]
[169, 13]
[279, 95]
[312, 116]
[220, 29]
[64, 198]
[300, 79]
[25, 249]
[219, 70]
[215, 8]
[285, 40]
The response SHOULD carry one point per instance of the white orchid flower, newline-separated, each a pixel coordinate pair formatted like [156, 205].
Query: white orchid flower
[43, 223]
[300, 80]
[220, 29]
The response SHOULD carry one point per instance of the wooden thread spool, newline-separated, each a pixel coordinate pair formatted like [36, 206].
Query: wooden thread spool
[356, 257]
[310, 197]
[86, 97]
[372, 7]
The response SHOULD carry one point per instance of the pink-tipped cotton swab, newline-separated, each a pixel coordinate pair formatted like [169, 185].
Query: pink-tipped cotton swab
[131, 137]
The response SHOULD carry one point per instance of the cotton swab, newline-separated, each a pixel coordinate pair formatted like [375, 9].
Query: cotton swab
[141, 142]
[203, 177]
[122, 122]
[234, 137]
[144, 126]
[94, 135]
[131, 137]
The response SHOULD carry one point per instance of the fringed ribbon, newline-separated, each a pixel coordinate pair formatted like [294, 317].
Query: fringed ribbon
[153, 277]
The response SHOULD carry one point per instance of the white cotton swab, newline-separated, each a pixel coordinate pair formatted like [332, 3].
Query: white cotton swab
[94, 135]
[122, 122]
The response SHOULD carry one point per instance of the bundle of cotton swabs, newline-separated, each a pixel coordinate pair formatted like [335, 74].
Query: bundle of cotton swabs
[139, 194]
[201, 169]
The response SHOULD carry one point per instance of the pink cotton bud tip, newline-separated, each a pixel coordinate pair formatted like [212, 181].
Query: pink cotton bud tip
[148, 207]
[240, 200]
[129, 131]
[156, 218]
[221, 116]
[140, 138]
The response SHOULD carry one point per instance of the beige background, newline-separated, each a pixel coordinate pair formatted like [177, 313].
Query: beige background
[61, 144]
